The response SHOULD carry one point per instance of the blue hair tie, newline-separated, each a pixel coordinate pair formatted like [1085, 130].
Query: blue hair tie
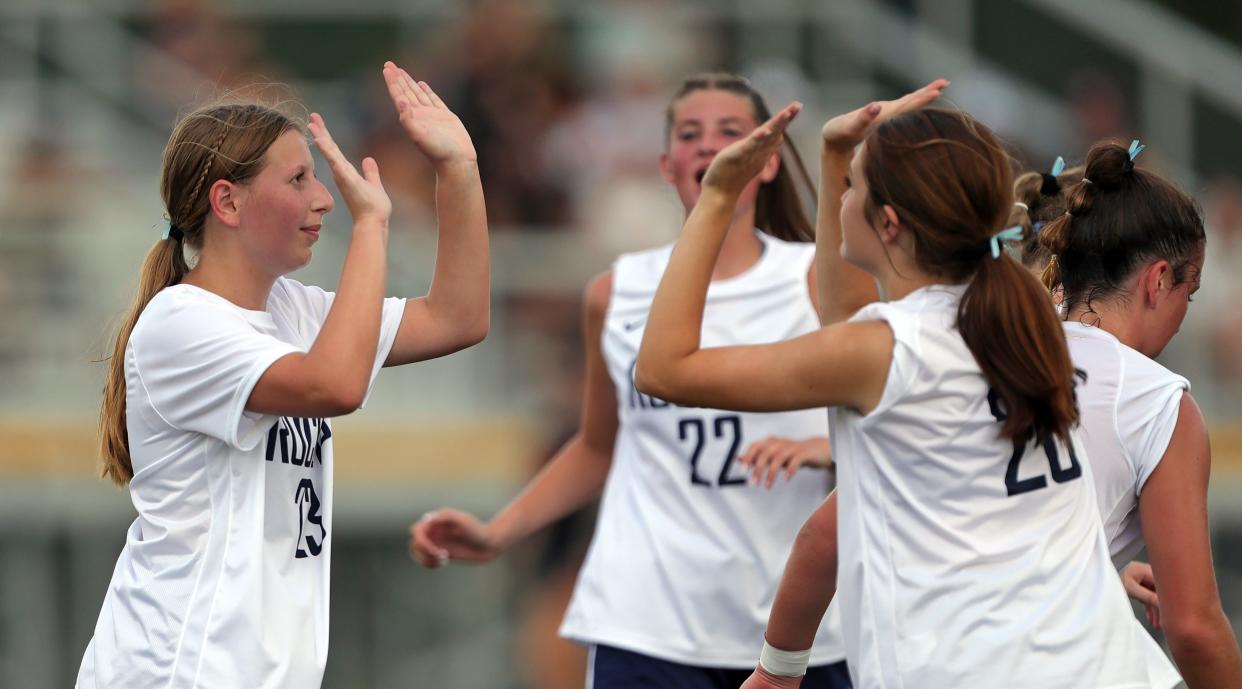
[1009, 234]
[1058, 167]
[1135, 149]
[171, 230]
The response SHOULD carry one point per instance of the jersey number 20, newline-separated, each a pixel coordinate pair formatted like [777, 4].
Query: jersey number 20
[1017, 486]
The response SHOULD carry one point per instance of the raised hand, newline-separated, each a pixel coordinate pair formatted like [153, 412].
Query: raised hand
[437, 132]
[364, 193]
[770, 457]
[843, 132]
[448, 534]
[739, 162]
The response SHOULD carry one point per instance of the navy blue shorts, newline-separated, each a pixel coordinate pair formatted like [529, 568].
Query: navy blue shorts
[614, 668]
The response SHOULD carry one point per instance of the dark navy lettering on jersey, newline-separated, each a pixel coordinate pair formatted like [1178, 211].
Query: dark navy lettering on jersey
[641, 400]
[298, 441]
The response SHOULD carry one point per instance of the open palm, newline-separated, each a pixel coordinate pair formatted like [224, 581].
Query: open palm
[739, 162]
[363, 192]
[843, 132]
[437, 132]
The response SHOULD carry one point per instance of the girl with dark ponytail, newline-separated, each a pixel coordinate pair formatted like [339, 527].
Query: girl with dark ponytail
[1127, 252]
[969, 545]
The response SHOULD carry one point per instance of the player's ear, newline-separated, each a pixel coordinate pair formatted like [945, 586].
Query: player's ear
[226, 201]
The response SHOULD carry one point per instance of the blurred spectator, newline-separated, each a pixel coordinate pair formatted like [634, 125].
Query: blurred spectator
[39, 202]
[38, 274]
[1208, 349]
[1099, 107]
[204, 53]
[513, 81]
[1221, 281]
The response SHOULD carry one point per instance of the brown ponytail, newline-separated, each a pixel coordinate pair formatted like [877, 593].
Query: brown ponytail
[164, 265]
[779, 208]
[214, 143]
[948, 178]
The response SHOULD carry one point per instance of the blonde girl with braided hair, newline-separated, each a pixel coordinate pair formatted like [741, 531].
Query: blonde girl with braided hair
[225, 375]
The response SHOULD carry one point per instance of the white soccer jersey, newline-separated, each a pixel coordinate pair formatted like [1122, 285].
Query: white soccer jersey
[223, 580]
[967, 562]
[1129, 406]
[687, 556]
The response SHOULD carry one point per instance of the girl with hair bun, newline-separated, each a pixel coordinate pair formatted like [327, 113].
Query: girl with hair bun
[1037, 200]
[1127, 253]
[971, 553]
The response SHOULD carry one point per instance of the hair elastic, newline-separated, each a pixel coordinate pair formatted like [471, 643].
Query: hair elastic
[1009, 234]
[1135, 149]
[1058, 167]
[172, 231]
[1021, 205]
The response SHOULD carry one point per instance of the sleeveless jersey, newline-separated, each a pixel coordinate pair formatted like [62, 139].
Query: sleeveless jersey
[966, 561]
[687, 555]
[223, 579]
[1129, 407]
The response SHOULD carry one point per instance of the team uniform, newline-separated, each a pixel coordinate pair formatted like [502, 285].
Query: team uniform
[687, 556]
[223, 580]
[967, 561]
[1129, 406]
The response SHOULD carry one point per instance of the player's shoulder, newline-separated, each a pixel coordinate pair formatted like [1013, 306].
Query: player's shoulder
[598, 294]
[640, 271]
[183, 302]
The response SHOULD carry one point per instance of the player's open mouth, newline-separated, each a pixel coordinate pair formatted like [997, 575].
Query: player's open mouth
[698, 176]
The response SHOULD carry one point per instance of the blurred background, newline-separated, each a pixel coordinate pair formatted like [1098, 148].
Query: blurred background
[565, 100]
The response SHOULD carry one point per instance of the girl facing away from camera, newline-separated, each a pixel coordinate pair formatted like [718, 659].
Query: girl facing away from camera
[686, 553]
[224, 378]
[1126, 253]
[946, 405]
[1130, 245]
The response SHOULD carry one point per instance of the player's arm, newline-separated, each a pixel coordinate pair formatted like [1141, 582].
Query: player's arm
[571, 479]
[844, 288]
[809, 582]
[1173, 510]
[455, 312]
[840, 288]
[333, 376]
[844, 364]
[806, 589]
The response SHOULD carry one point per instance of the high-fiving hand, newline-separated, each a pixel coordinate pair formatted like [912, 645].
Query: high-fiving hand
[437, 132]
[843, 132]
[740, 161]
[363, 193]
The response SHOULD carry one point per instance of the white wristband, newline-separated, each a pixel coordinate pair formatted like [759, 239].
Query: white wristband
[784, 663]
